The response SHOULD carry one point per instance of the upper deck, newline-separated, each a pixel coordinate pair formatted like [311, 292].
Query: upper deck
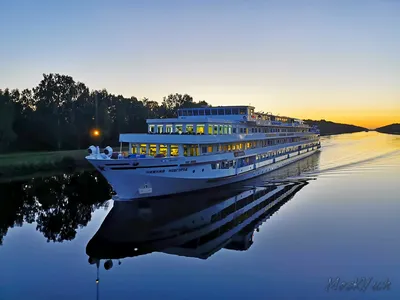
[223, 120]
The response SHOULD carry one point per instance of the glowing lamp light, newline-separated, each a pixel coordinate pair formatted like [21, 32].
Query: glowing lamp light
[96, 132]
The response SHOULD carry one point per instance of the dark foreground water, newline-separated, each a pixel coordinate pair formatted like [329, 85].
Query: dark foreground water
[323, 228]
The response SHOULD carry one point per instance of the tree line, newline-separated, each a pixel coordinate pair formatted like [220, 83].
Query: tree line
[61, 114]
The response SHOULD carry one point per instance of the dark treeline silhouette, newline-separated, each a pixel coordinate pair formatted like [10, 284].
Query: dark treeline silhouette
[392, 128]
[58, 204]
[329, 128]
[60, 114]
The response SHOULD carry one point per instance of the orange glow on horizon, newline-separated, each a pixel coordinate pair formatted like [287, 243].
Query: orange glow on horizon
[368, 120]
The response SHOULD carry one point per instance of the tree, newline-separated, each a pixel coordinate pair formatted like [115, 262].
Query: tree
[53, 94]
[174, 101]
[7, 134]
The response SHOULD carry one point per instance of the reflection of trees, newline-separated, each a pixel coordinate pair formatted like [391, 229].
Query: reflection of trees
[58, 204]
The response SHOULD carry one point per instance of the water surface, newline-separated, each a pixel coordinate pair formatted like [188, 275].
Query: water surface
[280, 236]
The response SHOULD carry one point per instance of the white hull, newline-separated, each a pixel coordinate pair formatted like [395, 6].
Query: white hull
[133, 184]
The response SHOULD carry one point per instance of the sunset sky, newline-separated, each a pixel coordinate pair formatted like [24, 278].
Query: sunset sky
[335, 60]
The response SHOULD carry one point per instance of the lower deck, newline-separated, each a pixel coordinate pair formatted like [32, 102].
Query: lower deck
[132, 181]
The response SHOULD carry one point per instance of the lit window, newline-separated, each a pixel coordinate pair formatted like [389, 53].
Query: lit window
[189, 128]
[200, 128]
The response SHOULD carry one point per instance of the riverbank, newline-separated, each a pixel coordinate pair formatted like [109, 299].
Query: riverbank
[390, 129]
[29, 163]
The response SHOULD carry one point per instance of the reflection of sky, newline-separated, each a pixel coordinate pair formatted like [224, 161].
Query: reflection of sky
[342, 224]
[336, 60]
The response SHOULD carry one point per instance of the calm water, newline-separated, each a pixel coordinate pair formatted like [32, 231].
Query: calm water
[282, 236]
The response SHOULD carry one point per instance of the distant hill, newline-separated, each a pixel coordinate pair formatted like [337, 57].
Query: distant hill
[329, 128]
[392, 129]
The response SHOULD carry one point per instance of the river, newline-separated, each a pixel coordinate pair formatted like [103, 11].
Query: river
[326, 227]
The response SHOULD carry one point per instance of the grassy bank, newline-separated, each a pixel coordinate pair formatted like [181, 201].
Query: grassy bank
[21, 164]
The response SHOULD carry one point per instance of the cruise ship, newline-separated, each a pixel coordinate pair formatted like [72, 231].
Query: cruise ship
[202, 148]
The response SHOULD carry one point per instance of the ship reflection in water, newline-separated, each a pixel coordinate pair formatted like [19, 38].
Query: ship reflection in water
[191, 225]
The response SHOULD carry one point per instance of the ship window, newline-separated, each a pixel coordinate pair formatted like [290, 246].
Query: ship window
[134, 149]
[163, 149]
[230, 129]
[195, 112]
[184, 112]
[228, 111]
[210, 129]
[225, 129]
[207, 111]
[242, 111]
[215, 129]
[193, 150]
[190, 112]
[178, 128]
[179, 112]
[221, 111]
[159, 128]
[168, 128]
[200, 128]
[143, 149]
[235, 111]
[201, 112]
[221, 129]
[189, 128]
[151, 128]
[214, 111]
[174, 150]
[233, 129]
[152, 151]
[210, 149]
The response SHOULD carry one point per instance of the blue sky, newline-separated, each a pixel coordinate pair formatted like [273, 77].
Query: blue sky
[337, 60]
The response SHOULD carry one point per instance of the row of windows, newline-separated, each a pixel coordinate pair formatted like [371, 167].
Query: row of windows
[272, 154]
[247, 161]
[214, 129]
[231, 164]
[192, 129]
[215, 111]
[212, 111]
[194, 150]
[273, 129]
